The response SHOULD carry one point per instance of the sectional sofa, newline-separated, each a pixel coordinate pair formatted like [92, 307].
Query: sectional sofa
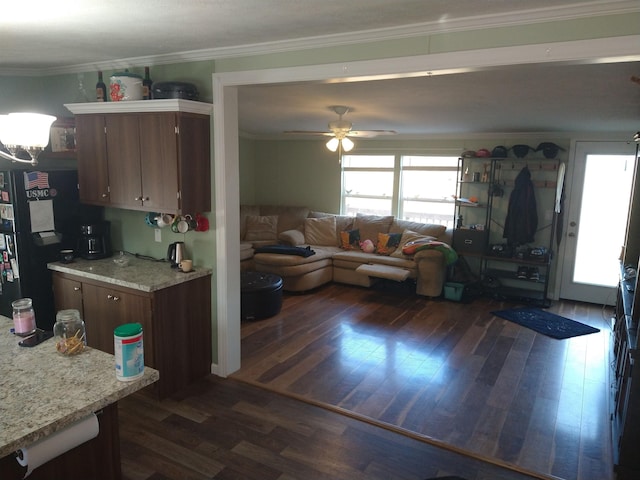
[308, 249]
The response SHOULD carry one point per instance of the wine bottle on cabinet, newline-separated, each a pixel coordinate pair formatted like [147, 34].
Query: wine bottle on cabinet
[146, 85]
[101, 89]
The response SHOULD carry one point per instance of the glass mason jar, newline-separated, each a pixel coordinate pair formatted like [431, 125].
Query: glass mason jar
[69, 332]
[24, 318]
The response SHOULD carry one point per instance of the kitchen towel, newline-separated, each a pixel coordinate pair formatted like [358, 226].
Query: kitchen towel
[58, 443]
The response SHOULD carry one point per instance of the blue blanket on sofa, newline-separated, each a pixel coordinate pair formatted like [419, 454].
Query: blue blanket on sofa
[286, 250]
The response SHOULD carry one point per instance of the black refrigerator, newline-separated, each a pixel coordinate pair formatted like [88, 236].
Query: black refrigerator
[40, 214]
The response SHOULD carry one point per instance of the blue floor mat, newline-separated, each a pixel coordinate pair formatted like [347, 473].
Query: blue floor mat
[546, 323]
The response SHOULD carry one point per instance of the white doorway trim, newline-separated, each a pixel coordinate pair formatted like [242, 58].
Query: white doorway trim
[226, 152]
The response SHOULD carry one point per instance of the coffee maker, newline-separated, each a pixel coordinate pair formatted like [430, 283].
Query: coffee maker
[95, 240]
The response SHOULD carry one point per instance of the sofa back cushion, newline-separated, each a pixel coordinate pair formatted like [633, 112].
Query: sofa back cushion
[289, 218]
[261, 227]
[371, 225]
[245, 211]
[320, 231]
[343, 222]
[430, 229]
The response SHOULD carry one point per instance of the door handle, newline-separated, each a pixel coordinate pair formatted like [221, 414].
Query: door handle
[571, 234]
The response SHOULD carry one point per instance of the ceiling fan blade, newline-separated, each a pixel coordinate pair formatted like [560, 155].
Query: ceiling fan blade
[308, 132]
[369, 133]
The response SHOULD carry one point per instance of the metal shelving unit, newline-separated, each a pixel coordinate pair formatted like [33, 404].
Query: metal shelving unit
[505, 271]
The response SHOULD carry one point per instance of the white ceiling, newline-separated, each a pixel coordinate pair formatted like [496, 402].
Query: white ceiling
[44, 37]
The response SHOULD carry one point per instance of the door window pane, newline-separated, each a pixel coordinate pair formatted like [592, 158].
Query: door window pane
[603, 216]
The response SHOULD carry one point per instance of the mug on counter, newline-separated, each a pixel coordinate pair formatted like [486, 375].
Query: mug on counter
[185, 265]
[66, 256]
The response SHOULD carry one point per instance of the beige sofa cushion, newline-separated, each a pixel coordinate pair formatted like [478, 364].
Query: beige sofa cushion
[320, 231]
[370, 225]
[431, 229]
[245, 211]
[292, 237]
[261, 227]
[289, 218]
[343, 222]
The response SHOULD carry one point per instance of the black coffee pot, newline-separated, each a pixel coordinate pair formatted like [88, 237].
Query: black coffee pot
[175, 253]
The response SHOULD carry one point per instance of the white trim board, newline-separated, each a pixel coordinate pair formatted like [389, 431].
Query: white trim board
[225, 121]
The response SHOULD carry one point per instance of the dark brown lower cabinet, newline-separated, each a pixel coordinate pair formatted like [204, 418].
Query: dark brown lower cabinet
[176, 323]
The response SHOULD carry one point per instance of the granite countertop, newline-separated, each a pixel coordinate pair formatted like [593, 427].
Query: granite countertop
[139, 274]
[42, 391]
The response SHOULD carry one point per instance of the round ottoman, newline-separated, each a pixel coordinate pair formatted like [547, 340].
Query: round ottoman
[260, 295]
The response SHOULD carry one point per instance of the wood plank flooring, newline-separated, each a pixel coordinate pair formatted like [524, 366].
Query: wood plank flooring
[446, 372]
[229, 430]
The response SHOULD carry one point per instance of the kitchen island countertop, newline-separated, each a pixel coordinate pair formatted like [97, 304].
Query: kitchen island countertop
[42, 391]
[140, 274]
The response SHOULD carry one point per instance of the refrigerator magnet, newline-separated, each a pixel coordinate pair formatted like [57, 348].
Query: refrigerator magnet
[9, 276]
[5, 196]
[14, 268]
[3, 244]
[5, 257]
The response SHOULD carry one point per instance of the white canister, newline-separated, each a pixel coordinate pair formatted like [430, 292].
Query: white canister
[129, 351]
[125, 86]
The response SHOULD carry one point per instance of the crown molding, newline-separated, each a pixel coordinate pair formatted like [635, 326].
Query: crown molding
[135, 106]
[526, 17]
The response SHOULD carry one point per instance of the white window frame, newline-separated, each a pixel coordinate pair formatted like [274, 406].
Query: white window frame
[397, 200]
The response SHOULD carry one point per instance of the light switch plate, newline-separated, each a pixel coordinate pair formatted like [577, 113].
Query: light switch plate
[158, 234]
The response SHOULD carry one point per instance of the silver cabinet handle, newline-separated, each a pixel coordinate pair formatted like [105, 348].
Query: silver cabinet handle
[76, 289]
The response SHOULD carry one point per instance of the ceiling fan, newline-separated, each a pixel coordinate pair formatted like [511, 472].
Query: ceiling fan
[341, 130]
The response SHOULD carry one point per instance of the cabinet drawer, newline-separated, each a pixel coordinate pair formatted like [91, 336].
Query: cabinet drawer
[469, 241]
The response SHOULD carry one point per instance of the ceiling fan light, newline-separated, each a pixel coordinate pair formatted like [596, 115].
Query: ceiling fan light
[333, 144]
[347, 144]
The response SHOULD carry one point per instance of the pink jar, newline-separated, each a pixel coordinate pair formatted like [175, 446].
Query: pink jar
[24, 318]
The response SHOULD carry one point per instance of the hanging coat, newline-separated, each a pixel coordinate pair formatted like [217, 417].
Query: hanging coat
[522, 216]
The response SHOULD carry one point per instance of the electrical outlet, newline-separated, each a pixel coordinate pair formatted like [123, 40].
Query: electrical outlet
[158, 233]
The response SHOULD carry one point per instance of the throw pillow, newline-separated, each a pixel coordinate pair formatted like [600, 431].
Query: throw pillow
[387, 243]
[261, 227]
[350, 239]
[320, 231]
[292, 237]
[371, 225]
[408, 236]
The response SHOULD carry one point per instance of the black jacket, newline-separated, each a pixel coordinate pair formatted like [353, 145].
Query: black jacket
[522, 216]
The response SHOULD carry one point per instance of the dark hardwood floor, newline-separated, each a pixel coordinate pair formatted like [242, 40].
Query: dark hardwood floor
[226, 429]
[449, 374]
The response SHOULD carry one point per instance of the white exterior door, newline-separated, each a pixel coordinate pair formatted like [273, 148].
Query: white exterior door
[595, 220]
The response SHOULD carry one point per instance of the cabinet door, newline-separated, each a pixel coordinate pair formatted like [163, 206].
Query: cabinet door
[194, 157]
[106, 308]
[93, 173]
[123, 150]
[158, 161]
[67, 293]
